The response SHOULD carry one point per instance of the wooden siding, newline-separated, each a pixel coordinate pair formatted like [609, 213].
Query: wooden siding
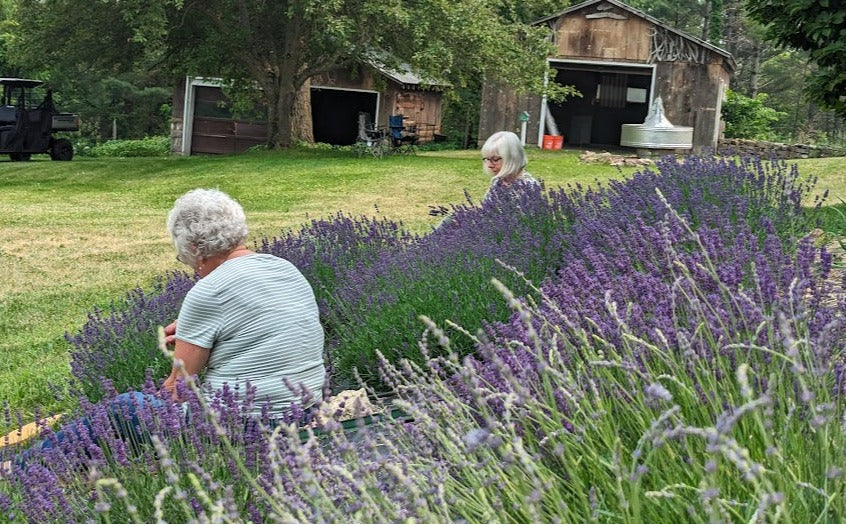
[501, 110]
[619, 39]
[420, 108]
[689, 75]
[221, 136]
[690, 95]
[215, 131]
[349, 79]
[219, 133]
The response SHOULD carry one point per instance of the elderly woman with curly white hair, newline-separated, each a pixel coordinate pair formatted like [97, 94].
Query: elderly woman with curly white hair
[251, 316]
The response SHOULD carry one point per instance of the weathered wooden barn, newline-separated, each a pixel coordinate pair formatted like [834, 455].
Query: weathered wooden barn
[619, 59]
[204, 123]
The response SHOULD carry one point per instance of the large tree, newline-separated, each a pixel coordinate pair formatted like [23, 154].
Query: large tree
[278, 45]
[99, 61]
[815, 26]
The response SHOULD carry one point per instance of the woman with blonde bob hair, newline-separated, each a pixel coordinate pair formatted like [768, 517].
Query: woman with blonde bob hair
[504, 158]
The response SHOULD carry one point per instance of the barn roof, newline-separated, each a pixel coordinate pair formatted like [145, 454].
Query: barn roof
[403, 74]
[641, 14]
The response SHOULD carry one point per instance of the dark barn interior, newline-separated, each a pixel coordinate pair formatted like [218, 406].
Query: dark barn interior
[611, 96]
[334, 113]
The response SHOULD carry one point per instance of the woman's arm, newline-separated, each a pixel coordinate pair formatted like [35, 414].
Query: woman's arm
[194, 359]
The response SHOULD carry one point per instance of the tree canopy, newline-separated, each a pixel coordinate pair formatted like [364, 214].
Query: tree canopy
[278, 45]
[818, 27]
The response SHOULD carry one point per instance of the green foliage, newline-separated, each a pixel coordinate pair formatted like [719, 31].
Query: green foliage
[748, 117]
[784, 76]
[100, 62]
[458, 290]
[8, 29]
[715, 21]
[270, 49]
[686, 15]
[460, 120]
[832, 220]
[816, 27]
[148, 146]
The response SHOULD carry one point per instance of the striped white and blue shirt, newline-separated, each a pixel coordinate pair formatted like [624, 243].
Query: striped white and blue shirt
[258, 315]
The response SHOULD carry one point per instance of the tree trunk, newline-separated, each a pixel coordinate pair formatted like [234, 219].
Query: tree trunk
[280, 111]
[288, 114]
[303, 126]
[755, 69]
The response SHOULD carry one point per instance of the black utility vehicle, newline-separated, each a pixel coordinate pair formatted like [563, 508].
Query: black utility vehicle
[28, 121]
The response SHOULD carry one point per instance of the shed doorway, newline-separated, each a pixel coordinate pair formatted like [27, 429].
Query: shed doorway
[334, 113]
[612, 95]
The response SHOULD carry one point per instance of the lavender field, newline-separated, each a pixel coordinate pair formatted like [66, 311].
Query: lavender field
[666, 348]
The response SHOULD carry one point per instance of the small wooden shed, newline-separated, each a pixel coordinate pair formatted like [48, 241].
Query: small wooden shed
[619, 59]
[203, 122]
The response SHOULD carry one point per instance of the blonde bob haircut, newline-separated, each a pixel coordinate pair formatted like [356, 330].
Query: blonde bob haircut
[507, 145]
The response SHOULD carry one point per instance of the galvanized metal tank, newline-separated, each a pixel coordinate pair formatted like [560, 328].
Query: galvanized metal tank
[656, 132]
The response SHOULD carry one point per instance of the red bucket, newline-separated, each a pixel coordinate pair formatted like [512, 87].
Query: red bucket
[548, 142]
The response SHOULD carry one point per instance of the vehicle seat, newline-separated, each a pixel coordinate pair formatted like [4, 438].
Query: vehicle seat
[7, 115]
[11, 136]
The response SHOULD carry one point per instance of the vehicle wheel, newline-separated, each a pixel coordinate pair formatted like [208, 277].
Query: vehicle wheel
[62, 149]
[20, 157]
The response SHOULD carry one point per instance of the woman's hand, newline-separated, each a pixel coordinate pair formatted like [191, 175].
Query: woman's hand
[193, 358]
[170, 333]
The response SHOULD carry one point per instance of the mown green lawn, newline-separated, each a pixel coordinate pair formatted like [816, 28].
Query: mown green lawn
[74, 236]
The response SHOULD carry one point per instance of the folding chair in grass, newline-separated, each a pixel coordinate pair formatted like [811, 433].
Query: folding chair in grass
[371, 139]
[403, 137]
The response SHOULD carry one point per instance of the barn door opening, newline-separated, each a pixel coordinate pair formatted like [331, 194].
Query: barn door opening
[334, 113]
[612, 95]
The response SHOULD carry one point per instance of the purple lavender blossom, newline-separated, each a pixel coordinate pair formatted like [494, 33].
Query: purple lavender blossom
[588, 250]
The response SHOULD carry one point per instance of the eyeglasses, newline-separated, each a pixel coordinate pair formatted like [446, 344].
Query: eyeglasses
[491, 159]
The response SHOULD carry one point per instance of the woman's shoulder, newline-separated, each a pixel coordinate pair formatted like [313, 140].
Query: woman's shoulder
[270, 265]
[527, 178]
[251, 264]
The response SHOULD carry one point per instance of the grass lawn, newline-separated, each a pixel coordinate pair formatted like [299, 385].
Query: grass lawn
[74, 236]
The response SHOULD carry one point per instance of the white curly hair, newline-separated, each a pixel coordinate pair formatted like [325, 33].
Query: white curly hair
[206, 222]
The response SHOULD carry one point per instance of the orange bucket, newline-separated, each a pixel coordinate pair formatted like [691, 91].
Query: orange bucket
[557, 141]
[548, 142]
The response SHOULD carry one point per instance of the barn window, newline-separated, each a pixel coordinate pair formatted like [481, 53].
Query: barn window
[613, 91]
[636, 95]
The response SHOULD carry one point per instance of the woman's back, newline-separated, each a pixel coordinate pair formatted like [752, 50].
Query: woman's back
[259, 316]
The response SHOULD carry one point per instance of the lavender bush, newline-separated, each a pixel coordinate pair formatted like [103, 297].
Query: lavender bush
[679, 361]
[711, 427]
[537, 232]
[327, 249]
[443, 275]
[118, 347]
[372, 278]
